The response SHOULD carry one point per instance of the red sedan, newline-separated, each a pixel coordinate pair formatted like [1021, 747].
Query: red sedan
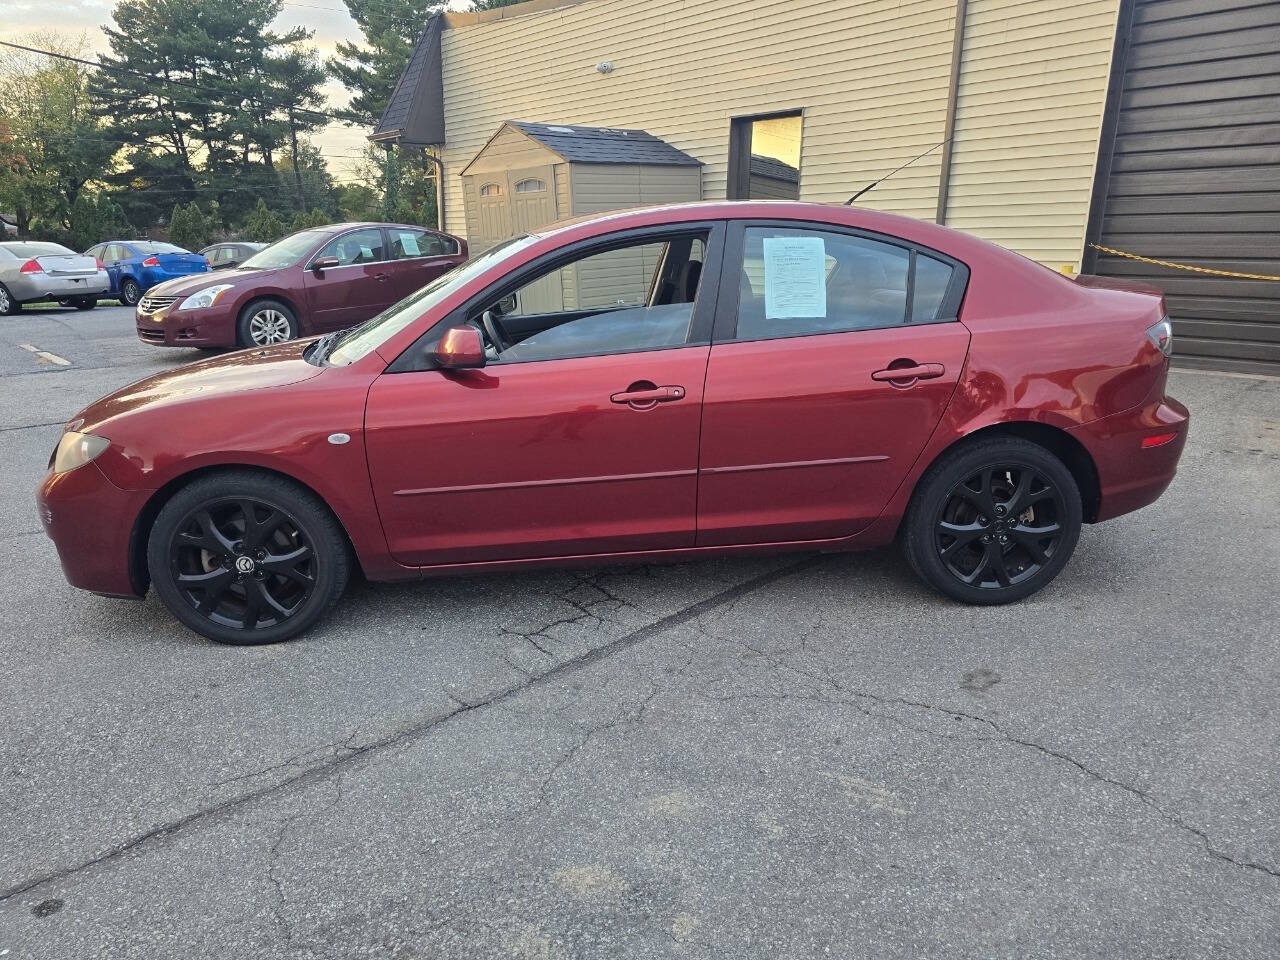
[310, 282]
[671, 383]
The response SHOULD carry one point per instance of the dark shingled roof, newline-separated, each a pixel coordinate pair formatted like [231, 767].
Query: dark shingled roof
[415, 113]
[579, 144]
[771, 167]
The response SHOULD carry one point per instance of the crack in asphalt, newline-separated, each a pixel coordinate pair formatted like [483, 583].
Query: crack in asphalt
[339, 763]
[1002, 734]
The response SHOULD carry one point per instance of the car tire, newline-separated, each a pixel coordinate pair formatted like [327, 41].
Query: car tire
[243, 583]
[84, 303]
[266, 322]
[130, 292]
[993, 521]
[8, 305]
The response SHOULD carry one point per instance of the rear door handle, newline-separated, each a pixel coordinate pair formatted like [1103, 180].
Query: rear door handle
[644, 397]
[905, 376]
[381, 277]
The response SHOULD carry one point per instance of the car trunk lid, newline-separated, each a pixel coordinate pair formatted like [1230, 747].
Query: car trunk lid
[67, 265]
[181, 262]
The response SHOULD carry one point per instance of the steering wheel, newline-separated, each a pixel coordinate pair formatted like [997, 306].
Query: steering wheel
[493, 330]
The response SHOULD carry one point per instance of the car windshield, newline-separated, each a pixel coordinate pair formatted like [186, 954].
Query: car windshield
[359, 341]
[150, 246]
[286, 252]
[37, 250]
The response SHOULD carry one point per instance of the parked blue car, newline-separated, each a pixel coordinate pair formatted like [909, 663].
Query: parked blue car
[135, 266]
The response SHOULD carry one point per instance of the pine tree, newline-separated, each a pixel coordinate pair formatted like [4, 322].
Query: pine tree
[370, 69]
[262, 225]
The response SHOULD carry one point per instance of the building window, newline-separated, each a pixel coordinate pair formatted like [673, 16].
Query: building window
[491, 190]
[532, 185]
[764, 157]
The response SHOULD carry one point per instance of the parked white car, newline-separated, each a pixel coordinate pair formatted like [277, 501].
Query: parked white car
[31, 272]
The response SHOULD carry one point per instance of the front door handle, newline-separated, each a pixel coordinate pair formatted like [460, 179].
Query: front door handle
[644, 395]
[906, 376]
[381, 277]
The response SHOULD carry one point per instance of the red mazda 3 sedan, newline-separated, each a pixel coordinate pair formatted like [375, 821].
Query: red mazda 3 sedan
[669, 383]
[314, 281]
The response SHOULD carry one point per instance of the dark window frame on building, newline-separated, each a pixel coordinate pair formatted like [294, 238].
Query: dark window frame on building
[738, 186]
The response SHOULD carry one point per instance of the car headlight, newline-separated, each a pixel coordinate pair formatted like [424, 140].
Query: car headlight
[204, 298]
[76, 449]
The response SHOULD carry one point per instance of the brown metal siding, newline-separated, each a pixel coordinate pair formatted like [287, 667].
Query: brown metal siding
[1195, 172]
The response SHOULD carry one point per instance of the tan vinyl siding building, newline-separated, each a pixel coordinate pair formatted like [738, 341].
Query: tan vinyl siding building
[871, 79]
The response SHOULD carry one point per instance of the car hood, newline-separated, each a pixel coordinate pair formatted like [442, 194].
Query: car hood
[185, 286]
[233, 373]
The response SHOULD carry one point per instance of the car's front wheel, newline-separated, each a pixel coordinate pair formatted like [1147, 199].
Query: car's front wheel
[266, 322]
[247, 558]
[993, 521]
[130, 292]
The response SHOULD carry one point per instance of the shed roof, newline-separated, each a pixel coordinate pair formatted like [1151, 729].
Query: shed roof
[578, 144]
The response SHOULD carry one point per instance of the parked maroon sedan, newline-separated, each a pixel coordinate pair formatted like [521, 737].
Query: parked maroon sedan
[308, 283]
[662, 384]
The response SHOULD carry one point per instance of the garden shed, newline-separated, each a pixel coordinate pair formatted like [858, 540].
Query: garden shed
[531, 174]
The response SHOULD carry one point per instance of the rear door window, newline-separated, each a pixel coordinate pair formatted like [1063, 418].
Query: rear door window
[407, 244]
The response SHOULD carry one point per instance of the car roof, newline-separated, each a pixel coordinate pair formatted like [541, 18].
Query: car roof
[964, 247]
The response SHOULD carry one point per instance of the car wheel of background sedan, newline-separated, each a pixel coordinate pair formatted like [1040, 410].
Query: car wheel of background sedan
[993, 522]
[266, 322]
[247, 558]
[130, 293]
[8, 305]
[84, 303]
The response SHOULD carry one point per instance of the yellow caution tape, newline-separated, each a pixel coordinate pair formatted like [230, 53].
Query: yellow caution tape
[1184, 266]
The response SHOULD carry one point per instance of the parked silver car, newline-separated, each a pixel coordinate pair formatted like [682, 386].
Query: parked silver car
[31, 271]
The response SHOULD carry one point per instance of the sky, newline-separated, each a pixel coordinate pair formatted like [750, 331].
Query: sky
[327, 18]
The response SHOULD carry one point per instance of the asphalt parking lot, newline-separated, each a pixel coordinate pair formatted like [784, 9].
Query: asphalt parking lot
[792, 757]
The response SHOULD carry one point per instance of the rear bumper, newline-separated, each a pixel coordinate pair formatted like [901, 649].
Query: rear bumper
[1131, 476]
[34, 287]
[90, 521]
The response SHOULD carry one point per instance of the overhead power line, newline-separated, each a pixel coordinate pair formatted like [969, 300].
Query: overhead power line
[180, 83]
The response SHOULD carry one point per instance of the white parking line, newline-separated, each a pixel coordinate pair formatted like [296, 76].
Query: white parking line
[44, 356]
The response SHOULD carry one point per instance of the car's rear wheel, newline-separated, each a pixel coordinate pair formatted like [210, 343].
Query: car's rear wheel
[8, 305]
[130, 292]
[993, 521]
[247, 558]
[266, 322]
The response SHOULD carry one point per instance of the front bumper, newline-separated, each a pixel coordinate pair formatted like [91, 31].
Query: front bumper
[91, 521]
[171, 327]
[34, 287]
[1131, 476]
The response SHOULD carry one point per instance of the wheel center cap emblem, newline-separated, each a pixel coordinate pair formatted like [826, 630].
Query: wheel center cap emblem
[244, 564]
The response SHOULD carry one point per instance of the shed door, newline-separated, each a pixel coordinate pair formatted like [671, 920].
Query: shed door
[493, 212]
[1195, 173]
[532, 193]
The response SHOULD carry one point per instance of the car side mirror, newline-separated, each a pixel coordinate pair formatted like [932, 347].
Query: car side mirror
[461, 348]
[507, 305]
[321, 264]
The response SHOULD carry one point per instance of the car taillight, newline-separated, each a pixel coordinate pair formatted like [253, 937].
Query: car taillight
[31, 267]
[151, 262]
[1161, 334]
[1159, 440]
[101, 265]
[207, 263]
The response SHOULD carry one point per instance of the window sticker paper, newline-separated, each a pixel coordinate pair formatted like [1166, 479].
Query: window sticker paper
[794, 277]
[410, 244]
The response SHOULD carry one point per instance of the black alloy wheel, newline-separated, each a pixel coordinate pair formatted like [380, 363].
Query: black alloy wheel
[994, 521]
[999, 526]
[247, 559]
